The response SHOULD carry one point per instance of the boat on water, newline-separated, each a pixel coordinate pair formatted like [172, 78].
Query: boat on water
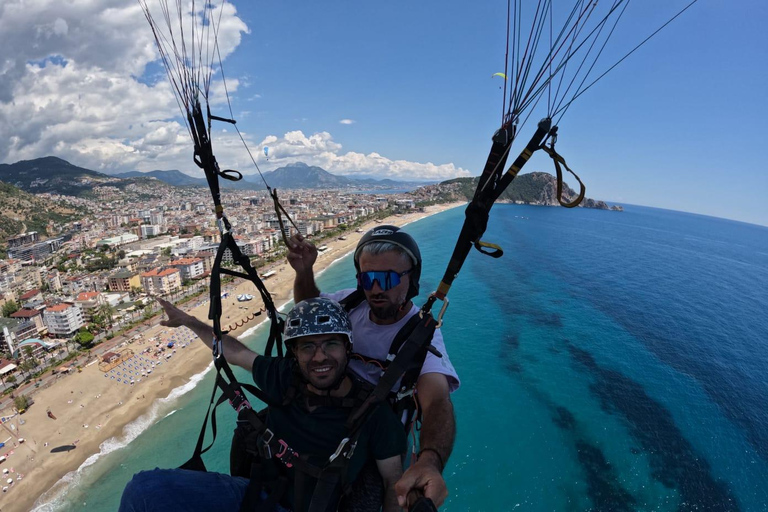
[244, 297]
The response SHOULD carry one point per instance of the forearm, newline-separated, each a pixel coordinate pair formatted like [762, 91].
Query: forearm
[234, 351]
[304, 286]
[438, 431]
[390, 499]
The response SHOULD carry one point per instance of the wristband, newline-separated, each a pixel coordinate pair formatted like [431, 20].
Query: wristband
[439, 457]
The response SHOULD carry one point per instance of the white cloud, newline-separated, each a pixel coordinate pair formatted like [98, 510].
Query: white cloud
[76, 82]
[321, 150]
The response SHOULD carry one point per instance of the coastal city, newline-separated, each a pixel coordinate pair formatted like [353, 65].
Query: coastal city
[77, 303]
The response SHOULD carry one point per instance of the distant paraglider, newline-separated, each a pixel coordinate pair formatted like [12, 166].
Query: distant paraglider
[266, 152]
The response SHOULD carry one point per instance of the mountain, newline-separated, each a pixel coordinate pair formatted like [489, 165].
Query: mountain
[174, 177]
[301, 175]
[539, 188]
[53, 175]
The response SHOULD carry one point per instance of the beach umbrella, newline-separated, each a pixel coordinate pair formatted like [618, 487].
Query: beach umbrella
[9, 481]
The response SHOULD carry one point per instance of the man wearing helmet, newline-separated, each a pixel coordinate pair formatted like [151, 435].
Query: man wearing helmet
[388, 266]
[310, 422]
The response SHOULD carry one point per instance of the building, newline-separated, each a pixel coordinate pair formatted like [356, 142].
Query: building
[23, 239]
[117, 241]
[89, 302]
[13, 331]
[35, 316]
[148, 230]
[161, 281]
[63, 319]
[190, 268]
[53, 279]
[124, 281]
[37, 251]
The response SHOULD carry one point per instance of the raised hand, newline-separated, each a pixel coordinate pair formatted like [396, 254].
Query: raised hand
[302, 254]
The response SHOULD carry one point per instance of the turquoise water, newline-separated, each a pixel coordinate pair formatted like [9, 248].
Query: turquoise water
[609, 361]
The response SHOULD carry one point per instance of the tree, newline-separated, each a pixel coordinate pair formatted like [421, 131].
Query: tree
[11, 380]
[106, 311]
[21, 403]
[10, 307]
[31, 360]
[84, 338]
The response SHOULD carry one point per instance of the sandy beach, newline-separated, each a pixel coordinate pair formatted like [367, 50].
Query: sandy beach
[93, 406]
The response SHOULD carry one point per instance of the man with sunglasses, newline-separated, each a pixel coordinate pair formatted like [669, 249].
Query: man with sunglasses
[388, 267]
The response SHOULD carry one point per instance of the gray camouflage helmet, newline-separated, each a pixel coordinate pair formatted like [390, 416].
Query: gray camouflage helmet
[317, 315]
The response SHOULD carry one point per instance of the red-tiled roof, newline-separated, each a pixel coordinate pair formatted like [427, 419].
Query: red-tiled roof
[59, 307]
[25, 313]
[28, 295]
[87, 296]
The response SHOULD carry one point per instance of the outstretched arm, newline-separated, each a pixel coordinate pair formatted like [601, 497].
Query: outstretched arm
[302, 256]
[235, 352]
[438, 432]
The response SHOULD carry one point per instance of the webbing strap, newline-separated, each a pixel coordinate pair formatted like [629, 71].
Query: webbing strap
[492, 184]
[413, 350]
[279, 208]
[559, 160]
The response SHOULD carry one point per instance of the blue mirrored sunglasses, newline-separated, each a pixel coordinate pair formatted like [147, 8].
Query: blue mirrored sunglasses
[387, 279]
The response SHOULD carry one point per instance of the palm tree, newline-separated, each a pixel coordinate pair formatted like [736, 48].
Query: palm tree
[106, 310]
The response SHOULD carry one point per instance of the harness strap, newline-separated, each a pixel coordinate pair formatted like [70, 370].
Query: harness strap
[559, 160]
[279, 208]
[413, 350]
[492, 184]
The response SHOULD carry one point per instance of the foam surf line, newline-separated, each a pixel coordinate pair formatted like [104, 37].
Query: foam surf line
[53, 499]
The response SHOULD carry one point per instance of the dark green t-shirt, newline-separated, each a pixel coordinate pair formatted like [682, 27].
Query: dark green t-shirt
[317, 434]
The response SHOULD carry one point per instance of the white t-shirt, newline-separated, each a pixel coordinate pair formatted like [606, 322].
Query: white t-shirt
[373, 341]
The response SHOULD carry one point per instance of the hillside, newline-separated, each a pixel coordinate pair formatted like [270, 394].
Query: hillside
[537, 188]
[22, 212]
[53, 175]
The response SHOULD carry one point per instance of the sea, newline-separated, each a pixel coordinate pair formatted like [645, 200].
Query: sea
[610, 361]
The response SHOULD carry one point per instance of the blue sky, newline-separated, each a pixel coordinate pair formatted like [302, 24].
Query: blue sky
[677, 125]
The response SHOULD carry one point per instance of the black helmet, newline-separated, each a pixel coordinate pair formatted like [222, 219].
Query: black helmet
[393, 235]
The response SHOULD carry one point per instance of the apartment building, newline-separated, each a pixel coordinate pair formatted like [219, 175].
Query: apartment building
[190, 268]
[161, 281]
[64, 319]
[124, 281]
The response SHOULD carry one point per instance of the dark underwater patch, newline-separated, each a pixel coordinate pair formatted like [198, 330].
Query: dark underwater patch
[602, 488]
[674, 462]
[564, 418]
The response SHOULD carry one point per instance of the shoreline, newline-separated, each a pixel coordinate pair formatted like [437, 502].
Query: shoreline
[93, 407]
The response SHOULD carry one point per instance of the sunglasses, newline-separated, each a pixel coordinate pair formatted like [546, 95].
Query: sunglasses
[387, 279]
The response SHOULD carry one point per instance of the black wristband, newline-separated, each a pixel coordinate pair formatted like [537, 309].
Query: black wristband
[439, 457]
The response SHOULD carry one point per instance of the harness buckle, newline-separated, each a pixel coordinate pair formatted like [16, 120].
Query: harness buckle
[286, 450]
[404, 394]
[240, 402]
[217, 347]
[439, 317]
[335, 454]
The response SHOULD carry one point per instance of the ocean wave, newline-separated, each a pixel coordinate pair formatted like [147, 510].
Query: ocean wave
[56, 497]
